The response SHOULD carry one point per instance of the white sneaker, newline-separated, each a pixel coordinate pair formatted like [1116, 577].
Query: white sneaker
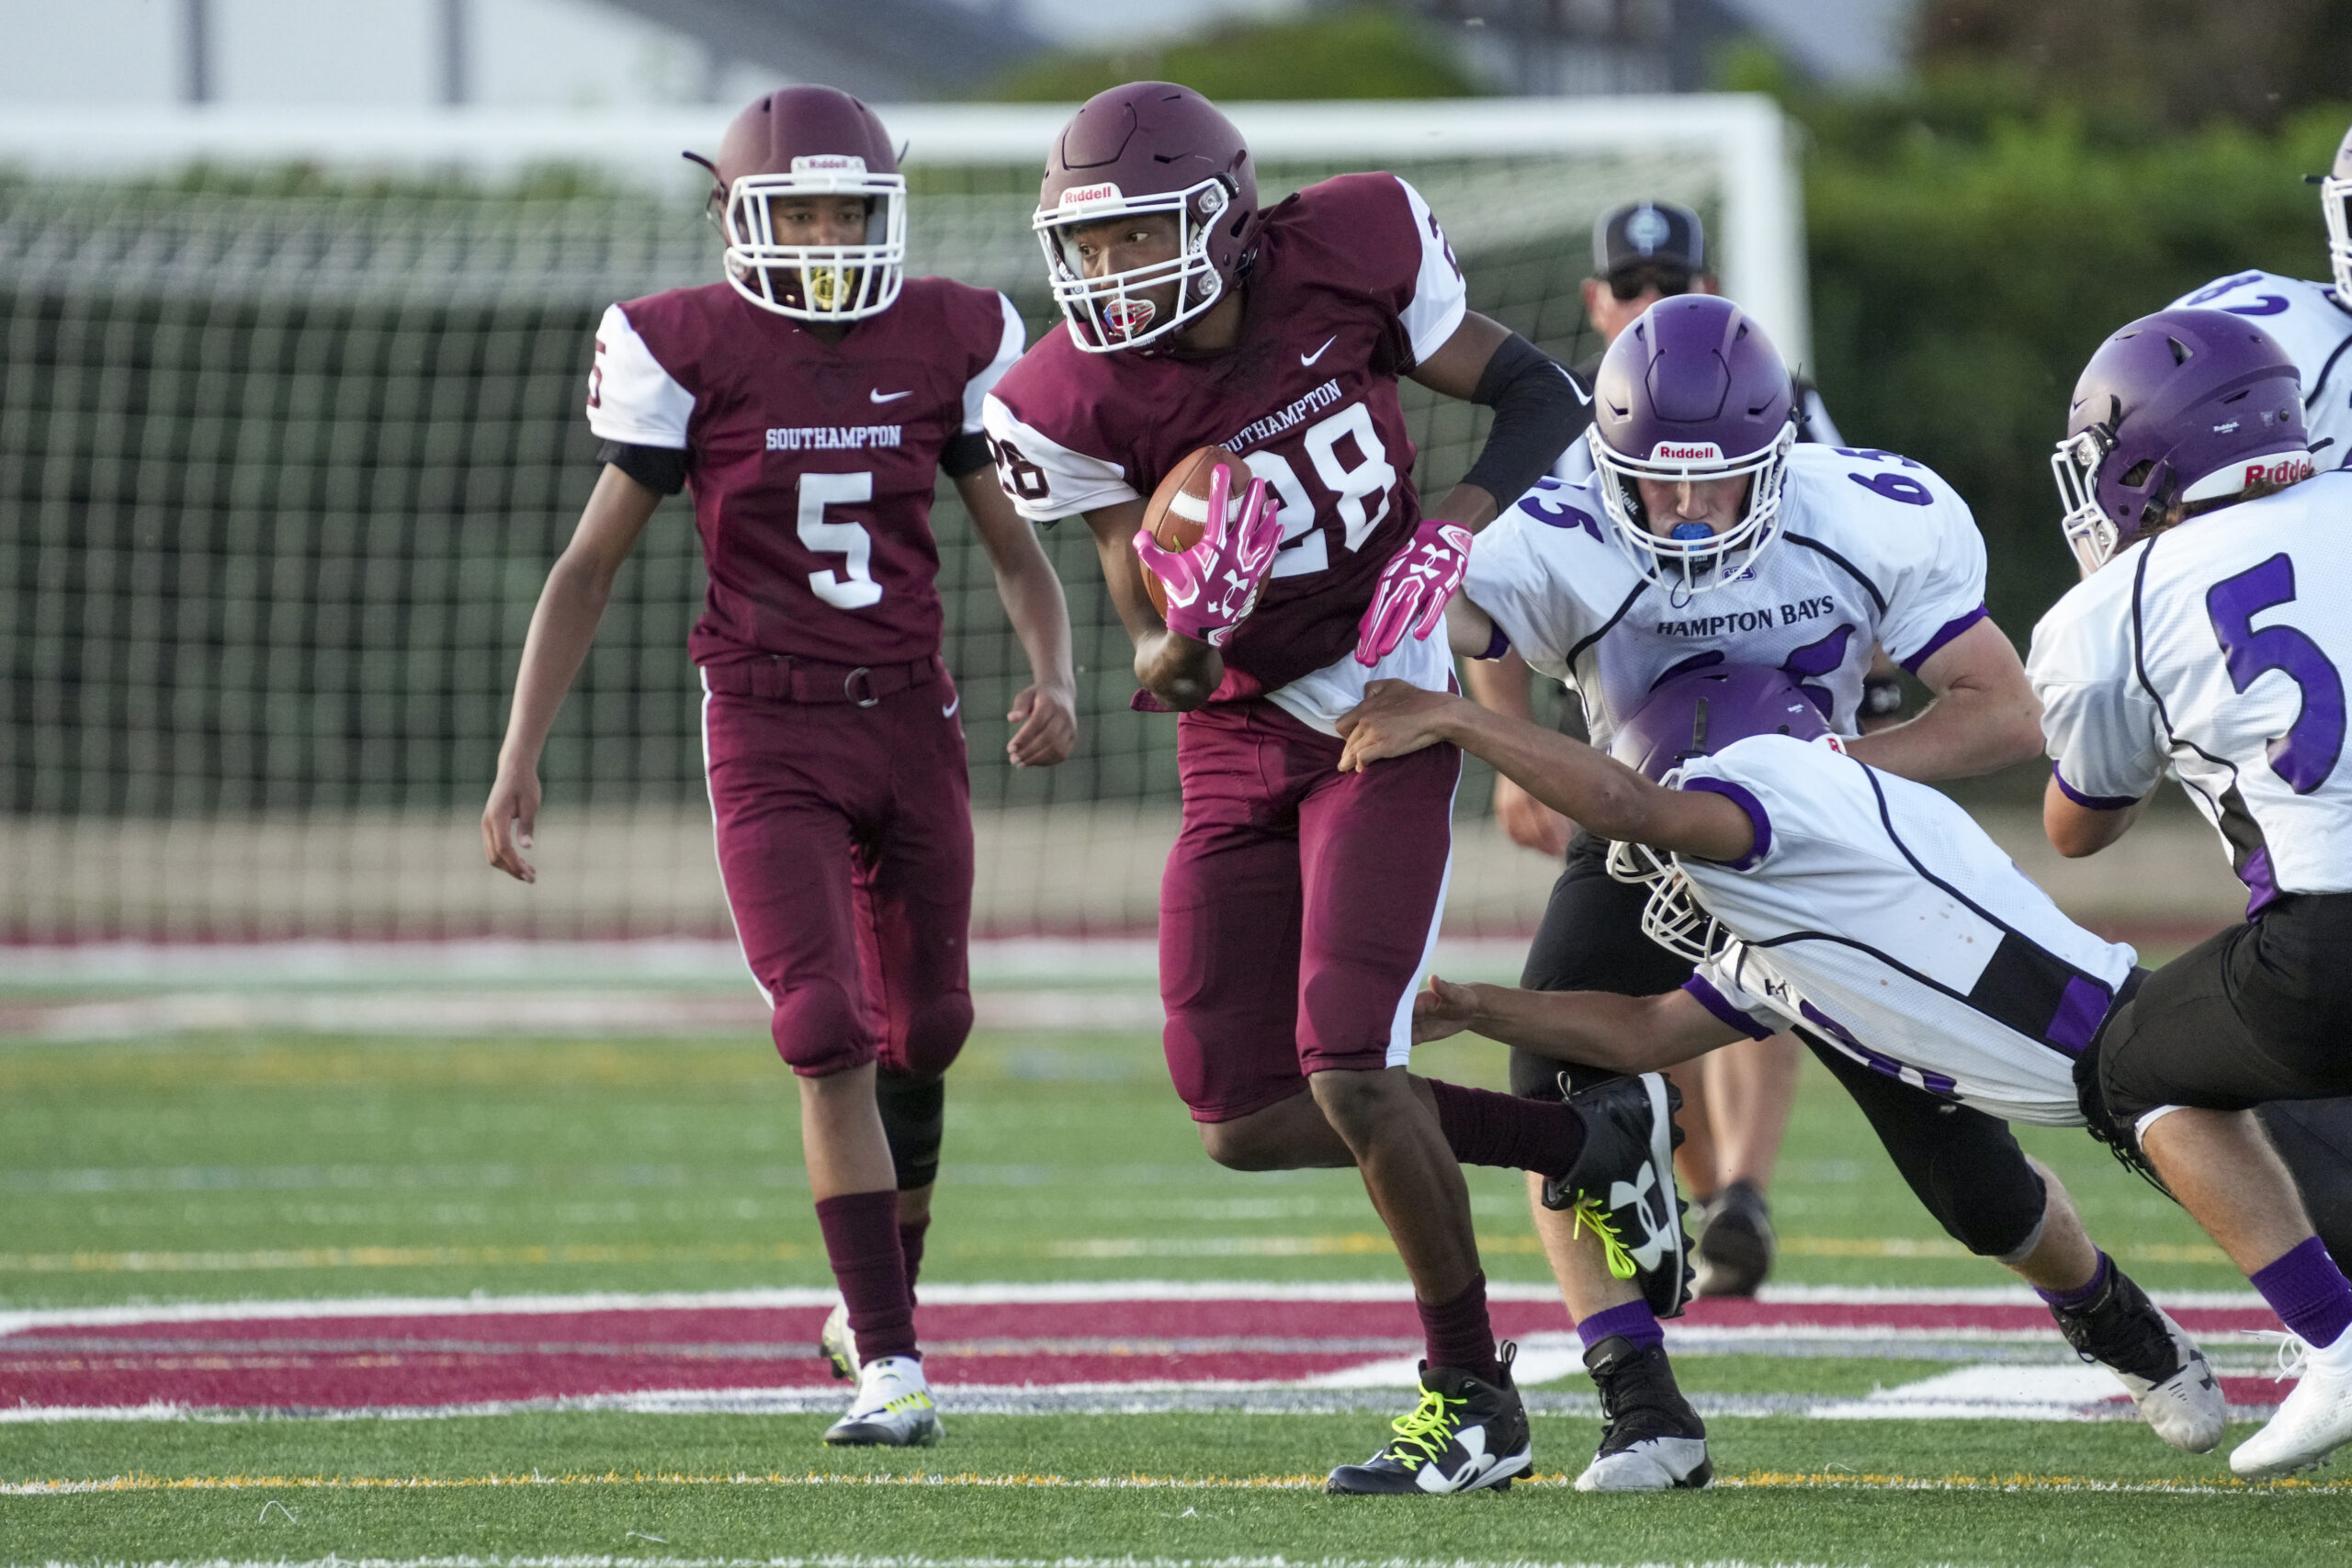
[892, 1408]
[838, 1342]
[2314, 1417]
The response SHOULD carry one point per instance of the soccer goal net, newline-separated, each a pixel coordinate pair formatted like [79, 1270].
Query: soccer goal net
[281, 475]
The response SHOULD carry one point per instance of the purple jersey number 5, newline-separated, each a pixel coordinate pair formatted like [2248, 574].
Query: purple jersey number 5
[2307, 753]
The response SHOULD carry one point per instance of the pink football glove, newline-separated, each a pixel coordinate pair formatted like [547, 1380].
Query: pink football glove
[1214, 584]
[1414, 587]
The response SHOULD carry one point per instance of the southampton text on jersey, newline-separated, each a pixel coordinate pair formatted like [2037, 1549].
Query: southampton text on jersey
[833, 437]
[1282, 419]
[1749, 620]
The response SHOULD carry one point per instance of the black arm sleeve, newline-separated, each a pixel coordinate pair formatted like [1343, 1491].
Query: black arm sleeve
[661, 470]
[965, 454]
[1539, 409]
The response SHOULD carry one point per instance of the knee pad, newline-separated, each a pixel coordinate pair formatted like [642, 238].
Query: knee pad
[914, 1119]
[935, 1033]
[820, 1029]
[1993, 1207]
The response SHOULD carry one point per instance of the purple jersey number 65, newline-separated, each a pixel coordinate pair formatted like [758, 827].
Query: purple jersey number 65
[2307, 753]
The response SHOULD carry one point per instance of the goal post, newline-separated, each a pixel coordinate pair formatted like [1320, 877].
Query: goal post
[284, 457]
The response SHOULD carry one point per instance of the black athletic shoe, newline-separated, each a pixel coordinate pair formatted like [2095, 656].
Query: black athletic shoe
[1467, 1435]
[1735, 1243]
[2157, 1364]
[1622, 1184]
[1651, 1441]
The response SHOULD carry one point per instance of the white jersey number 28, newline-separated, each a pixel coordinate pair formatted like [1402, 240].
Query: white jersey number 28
[1351, 487]
[857, 591]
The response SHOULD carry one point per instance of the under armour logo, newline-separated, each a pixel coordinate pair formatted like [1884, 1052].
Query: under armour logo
[1658, 1227]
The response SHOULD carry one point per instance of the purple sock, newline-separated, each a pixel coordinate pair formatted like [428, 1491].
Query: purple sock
[1485, 1128]
[1633, 1321]
[1458, 1334]
[2066, 1301]
[861, 1232]
[2309, 1292]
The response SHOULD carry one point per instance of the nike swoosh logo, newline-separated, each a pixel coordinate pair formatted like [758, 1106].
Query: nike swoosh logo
[882, 397]
[1311, 358]
[949, 710]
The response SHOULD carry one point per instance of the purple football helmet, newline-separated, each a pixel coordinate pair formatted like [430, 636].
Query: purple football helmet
[1693, 389]
[1694, 714]
[2336, 205]
[2179, 406]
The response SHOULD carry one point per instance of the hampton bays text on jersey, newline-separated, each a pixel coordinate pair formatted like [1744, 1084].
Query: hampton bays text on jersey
[1749, 620]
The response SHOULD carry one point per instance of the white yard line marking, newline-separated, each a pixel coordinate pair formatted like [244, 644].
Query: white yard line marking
[1014, 1294]
[1755, 1481]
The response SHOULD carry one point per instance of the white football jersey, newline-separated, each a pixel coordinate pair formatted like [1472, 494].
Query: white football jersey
[2217, 650]
[2314, 329]
[1876, 915]
[1868, 548]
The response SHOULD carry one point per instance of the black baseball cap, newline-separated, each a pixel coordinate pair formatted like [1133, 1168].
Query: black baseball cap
[1648, 233]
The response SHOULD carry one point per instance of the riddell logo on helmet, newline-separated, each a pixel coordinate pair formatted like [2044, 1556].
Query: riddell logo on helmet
[828, 163]
[1684, 451]
[1082, 195]
[2286, 472]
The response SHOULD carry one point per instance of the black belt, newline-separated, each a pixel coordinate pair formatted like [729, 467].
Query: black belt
[783, 677]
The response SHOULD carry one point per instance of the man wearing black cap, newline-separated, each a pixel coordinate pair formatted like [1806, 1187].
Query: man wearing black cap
[1736, 1107]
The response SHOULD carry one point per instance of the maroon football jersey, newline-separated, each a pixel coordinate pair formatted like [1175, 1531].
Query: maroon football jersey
[1353, 285]
[812, 464]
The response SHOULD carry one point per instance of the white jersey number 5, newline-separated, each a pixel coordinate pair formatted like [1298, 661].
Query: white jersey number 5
[858, 591]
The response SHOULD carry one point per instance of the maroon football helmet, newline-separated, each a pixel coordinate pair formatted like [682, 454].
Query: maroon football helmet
[1146, 147]
[805, 141]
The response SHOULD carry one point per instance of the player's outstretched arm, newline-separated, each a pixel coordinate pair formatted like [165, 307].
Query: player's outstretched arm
[1179, 671]
[1569, 776]
[579, 585]
[1538, 408]
[1594, 1029]
[1501, 686]
[1044, 715]
[1986, 717]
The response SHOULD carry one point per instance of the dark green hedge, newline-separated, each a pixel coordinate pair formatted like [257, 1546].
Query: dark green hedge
[1970, 250]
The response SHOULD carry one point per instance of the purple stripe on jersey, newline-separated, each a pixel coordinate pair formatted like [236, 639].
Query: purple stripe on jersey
[1715, 1002]
[1756, 816]
[2090, 802]
[2261, 886]
[1877, 1061]
[1497, 645]
[2082, 1008]
[1944, 634]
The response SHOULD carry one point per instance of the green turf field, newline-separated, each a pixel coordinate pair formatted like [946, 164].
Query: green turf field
[211, 1168]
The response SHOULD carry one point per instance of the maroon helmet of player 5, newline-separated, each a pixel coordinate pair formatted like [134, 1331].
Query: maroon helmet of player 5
[796, 146]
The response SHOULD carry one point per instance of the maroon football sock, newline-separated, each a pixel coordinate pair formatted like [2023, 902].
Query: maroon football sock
[910, 1234]
[1459, 1335]
[1485, 1128]
[862, 1243]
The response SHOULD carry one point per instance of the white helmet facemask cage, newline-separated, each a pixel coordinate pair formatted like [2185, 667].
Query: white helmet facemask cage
[1694, 566]
[1674, 918]
[2090, 533]
[817, 282]
[2335, 191]
[1110, 312]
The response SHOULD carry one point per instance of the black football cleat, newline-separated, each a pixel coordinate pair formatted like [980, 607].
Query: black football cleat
[1467, 1435]
[1736, 1245]
[2155, 1362]
[1622, 1184]
[1651, 1441]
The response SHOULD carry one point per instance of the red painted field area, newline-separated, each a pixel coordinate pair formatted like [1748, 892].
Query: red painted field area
[342, 1357]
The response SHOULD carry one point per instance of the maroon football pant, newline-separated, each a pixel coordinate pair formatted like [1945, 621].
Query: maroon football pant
[845, 842]
[1299, 906]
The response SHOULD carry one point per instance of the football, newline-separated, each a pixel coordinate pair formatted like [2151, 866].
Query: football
[1179, 507]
